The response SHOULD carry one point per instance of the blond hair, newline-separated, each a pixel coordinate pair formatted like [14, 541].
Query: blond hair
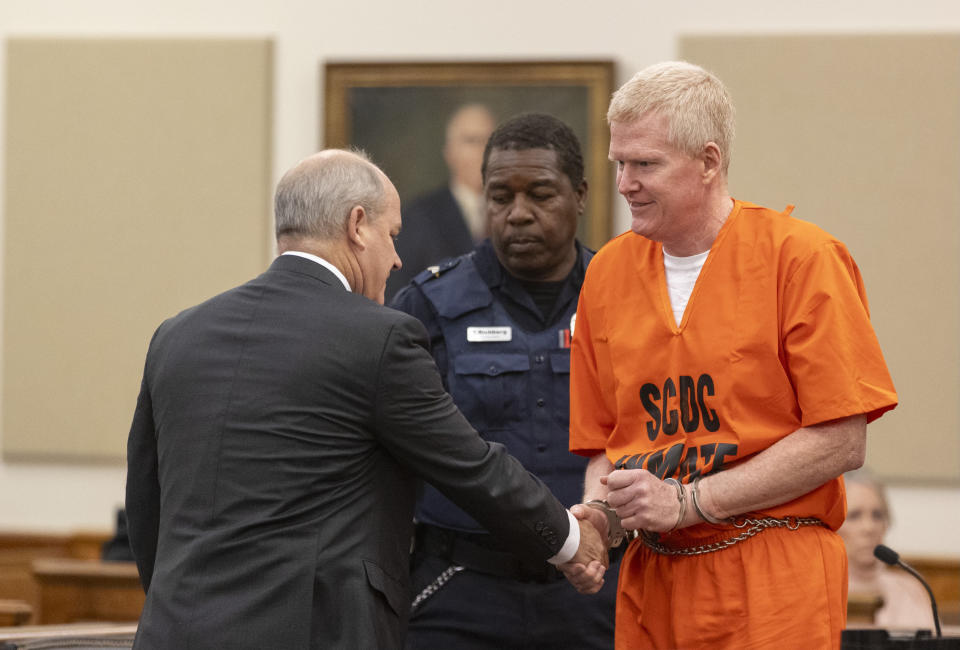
[694, 101]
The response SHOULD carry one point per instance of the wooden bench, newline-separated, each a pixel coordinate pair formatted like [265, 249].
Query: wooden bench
[14, 612]
[74, 635]
[19, 550]
[943, 576]
[72, 590]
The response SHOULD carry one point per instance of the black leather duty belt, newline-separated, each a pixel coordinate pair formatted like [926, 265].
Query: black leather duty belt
[473, 552]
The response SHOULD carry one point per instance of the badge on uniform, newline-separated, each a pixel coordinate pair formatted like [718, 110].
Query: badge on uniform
[489, 334]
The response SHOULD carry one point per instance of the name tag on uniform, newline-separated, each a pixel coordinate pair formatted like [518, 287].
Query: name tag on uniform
[489, 334]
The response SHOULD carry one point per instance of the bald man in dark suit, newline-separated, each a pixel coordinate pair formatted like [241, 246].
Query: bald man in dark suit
[278, 433]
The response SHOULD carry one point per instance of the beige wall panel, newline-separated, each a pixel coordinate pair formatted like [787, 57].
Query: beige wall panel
[862, 134]
[137, 183]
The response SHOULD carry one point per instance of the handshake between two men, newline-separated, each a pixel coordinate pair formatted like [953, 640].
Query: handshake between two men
[624, 500]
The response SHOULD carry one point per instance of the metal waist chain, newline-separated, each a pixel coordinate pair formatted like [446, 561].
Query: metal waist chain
[750, 527]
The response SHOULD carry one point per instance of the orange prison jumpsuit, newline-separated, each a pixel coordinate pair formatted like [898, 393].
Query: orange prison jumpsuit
[776, 336]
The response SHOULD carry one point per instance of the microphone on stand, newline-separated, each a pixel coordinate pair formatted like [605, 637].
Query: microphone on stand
[889, 556]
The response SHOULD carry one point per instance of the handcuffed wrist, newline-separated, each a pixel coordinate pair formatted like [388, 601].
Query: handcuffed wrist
[682, 498]
[615, 530]
[706, 516]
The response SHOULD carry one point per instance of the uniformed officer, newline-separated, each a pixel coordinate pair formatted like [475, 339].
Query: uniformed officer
[500, 320]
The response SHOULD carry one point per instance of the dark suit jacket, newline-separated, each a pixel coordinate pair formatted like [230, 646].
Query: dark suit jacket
[434, 229]
[271, 466]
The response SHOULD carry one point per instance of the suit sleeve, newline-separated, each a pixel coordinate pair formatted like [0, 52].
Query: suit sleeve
[421, 427]
[143, 487]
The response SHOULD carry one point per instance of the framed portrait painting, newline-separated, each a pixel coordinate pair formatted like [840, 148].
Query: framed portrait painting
[398, 113]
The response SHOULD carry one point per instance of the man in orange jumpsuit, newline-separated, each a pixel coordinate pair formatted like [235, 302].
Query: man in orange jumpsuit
[723, 372]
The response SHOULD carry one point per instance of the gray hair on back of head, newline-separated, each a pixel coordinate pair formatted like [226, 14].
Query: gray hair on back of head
[695, 102]
[315, 198]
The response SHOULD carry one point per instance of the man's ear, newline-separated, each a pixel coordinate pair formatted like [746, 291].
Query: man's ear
[357, 224]
[712, 162]
[581, 193]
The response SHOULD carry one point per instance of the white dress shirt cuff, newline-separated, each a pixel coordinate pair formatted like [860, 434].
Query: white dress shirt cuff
[569, 548]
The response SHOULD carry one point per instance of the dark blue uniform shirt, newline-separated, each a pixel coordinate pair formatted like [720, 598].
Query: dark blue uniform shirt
[506, 364]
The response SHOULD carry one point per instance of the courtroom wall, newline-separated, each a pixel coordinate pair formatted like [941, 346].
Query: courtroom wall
[65, 496]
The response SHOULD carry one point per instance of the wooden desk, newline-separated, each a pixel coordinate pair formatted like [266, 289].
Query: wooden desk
[19, 550]
[943, 575]
[75, 635]
[14, 612]
[861, 608]
[87, 590]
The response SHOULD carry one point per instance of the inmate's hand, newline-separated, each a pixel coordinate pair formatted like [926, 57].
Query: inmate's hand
[642, 500]
[585, 570]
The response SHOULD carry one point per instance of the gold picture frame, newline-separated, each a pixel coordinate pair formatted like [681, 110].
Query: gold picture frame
[397, 112]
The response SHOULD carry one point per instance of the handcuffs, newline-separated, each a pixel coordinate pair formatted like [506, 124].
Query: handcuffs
[616, 533]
